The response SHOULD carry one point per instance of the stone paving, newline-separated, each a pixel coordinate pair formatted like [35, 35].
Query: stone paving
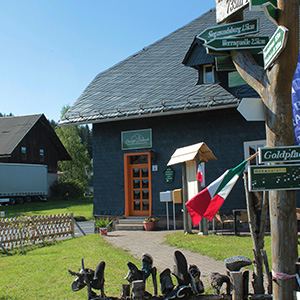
[139, 242]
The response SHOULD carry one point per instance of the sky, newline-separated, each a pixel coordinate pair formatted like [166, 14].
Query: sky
[52, 49]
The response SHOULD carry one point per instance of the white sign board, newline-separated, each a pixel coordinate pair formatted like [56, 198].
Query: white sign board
[252, 109]
[226, 8]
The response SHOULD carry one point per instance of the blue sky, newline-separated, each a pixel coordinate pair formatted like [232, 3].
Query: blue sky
[52, 49]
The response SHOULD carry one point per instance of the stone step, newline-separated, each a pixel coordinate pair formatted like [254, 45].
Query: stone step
[129, 227]
[130, 223]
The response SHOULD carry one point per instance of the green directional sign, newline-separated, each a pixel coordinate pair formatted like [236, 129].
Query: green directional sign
[271, 12]
[235, 79]
[275, 46]
[232, 29]
[276, 177]
[279, 154]
[235, 43]
[257, 4]
[225, 63]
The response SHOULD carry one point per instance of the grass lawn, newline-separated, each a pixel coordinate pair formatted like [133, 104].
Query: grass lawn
[42, 273]
[218, 247]
[80, 207]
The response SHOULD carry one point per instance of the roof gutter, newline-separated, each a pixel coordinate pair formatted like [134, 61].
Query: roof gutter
[88, 120]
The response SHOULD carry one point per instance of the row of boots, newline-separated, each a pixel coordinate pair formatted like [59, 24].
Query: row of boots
[187, 276]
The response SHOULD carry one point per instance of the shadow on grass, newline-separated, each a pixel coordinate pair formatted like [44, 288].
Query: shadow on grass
[51, 204]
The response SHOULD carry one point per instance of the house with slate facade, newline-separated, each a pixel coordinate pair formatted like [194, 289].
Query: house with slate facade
[166, 96]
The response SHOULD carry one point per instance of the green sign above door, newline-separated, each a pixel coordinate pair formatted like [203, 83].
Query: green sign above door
[136, 139]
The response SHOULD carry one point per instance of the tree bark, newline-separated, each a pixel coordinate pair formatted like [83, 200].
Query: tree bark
[274, 87]
[257, 215]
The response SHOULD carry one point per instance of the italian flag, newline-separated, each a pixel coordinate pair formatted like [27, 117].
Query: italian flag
[209, 200]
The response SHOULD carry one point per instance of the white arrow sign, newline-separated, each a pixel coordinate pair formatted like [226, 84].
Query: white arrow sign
[252, 109]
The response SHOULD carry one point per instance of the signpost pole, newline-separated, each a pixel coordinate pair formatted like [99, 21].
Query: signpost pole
[274, 87]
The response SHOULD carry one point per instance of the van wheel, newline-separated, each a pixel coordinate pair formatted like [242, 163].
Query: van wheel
[12, 201]
[20, 200]
[28, 199]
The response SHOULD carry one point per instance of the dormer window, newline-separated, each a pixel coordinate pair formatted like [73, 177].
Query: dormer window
[23, 153]
[208, 74]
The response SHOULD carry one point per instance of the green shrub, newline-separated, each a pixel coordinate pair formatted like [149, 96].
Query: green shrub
[67, 189]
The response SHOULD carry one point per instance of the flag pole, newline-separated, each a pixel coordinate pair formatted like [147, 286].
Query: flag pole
[252, 156]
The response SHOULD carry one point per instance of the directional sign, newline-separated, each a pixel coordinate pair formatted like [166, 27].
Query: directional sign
[271, 12]
[279, 154]
[235, 79]
[232, 29]
[234, 43]
[225, 8]
[252, 109]
[257, 4]
[225, 63]
[275, 177]
[275, 46]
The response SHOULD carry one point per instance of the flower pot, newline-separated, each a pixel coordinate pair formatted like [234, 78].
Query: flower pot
[148, 226]
[103, 231]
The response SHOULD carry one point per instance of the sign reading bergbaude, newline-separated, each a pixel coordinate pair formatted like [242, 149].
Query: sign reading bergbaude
[279, 154]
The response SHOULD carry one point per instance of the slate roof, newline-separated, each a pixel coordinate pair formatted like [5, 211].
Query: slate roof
[154, 81]
[13, 129]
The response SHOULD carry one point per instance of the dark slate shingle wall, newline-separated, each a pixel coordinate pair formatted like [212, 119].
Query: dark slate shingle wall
[224, 131]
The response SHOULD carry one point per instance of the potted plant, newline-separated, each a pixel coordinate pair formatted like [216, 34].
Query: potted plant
[149, 223]
[102, 225]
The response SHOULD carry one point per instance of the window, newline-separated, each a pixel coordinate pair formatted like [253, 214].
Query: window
[42, 155]
[251, 148]
[23, 153]
[208, 74]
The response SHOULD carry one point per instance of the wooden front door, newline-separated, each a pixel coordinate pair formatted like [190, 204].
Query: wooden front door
[137, 175]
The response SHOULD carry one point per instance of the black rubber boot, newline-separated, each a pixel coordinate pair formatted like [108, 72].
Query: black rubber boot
[98, 280]
[134, 273]
[147, 264]
[197, 284]
[181, 292]
[166, 283]
[181, 269]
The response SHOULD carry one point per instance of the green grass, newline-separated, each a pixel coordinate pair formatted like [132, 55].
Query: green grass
[80, 207]
[42, 273]
[218, 247]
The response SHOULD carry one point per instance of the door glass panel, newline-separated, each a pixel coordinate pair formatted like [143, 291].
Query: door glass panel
[137, 205]
[136, 184]
[145, 205]
[136, 195]
[145, 194]
[145, 183]
[145, 172]
[138, 159]
[136, 172]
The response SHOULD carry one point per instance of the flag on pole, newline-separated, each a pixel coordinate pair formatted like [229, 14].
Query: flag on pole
[209, 200]
[199, 173]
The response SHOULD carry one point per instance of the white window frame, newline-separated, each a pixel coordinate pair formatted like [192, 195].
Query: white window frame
[255, 145]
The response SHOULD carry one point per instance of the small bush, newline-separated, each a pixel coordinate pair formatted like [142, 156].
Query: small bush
[67, 189]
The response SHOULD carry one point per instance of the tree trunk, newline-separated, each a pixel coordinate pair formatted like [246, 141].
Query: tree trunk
[257, 208]
[274, 87]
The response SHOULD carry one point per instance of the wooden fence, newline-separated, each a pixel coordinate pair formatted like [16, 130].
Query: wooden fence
[20, 231]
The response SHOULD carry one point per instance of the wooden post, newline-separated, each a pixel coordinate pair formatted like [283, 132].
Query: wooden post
[274, 86]
[187, 226]
[125, 290]
[237, 285]
[138, 289]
